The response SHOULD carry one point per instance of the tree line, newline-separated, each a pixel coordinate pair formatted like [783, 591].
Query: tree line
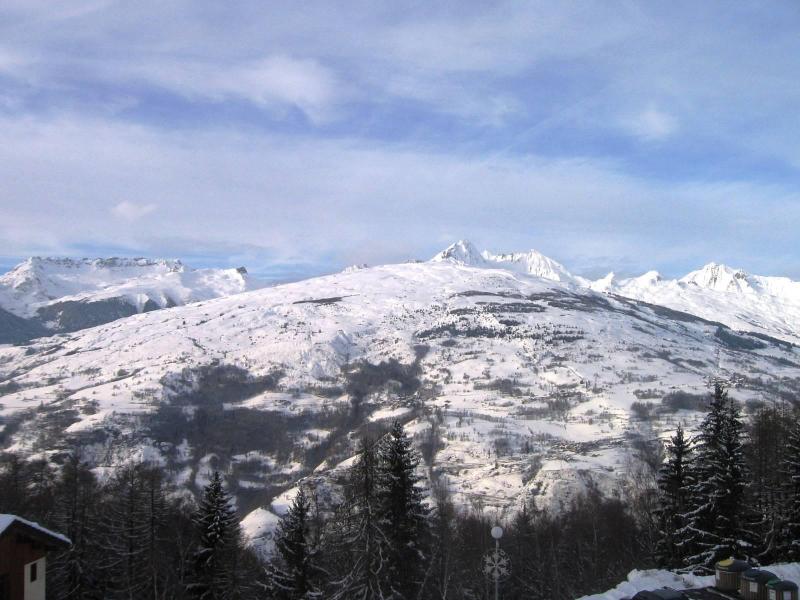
[732, 489]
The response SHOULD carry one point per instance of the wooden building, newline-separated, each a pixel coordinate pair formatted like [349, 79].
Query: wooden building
[23, 549]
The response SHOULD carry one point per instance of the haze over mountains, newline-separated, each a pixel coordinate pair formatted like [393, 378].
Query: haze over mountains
[518, 380]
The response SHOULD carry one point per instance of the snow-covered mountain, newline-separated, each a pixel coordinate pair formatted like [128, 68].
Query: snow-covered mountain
[517, 379]
[532, 262]
[65, 294]
[514, 386]
[768, 305]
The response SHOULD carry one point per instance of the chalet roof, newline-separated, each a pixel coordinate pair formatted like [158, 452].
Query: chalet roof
[8, 521]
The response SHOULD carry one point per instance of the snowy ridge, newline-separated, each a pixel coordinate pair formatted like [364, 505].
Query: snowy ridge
[532, 262]
[38, 283]
[463, 252]
[768, 305]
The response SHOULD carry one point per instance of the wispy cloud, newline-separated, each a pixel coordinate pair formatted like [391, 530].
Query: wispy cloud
[276, 82]
[327, 201]
[652, 124]
[131, 211]
[614, 130]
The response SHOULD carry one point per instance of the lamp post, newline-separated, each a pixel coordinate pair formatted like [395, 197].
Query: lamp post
[497, 533]
[496, 565]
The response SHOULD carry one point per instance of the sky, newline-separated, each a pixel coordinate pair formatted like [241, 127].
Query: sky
[296, 138]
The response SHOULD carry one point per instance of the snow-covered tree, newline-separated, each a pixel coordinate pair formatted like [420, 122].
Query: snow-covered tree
[356, 541]
[293, 575]
[792, 495]
[717, 523]
[214, 576]
[403, 515]
[674, 480]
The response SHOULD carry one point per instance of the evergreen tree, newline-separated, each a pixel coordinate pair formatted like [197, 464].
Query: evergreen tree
[791, 468]
[74, 572]
[293, 575]
[768, 433]
[124, 538]
[214, 575]
[717, 522]
[441, 579]
[356, 541]
[674, 480]
[402, 514]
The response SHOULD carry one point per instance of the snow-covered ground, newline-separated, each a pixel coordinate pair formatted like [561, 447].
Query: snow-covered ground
[655, 579]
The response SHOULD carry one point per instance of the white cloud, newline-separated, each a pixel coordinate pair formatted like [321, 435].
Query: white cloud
[275, 82]
[317, 200]
[652, 125]
[130, 211]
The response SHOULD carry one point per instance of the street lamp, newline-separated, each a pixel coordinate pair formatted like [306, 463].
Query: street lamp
[496, 564]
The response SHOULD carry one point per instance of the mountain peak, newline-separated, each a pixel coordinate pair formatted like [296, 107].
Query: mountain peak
[604, 284]
[532, 262]
[718, 277]
[463, 252]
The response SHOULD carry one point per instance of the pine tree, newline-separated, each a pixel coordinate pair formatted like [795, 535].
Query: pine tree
[717, 522]
[674, 480]
[442, 577]
[214, 576]
[768, 433]
[792, 503]
[403, 515]
[293, 577]
[124, 536]
[356, 541]
[75, 571]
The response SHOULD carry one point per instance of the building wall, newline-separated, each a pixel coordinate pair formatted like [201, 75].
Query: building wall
[14, 556]
[34, 590]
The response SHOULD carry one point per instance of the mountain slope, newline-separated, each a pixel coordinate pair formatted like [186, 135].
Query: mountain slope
[514, 386]
[769, 305]
[62, 294]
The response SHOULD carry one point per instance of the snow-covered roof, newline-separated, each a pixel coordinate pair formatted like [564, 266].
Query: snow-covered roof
[7, 521]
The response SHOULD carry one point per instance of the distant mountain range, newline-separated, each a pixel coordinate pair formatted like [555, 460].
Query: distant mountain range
[769, 305]
[517, 380]
[42, 296]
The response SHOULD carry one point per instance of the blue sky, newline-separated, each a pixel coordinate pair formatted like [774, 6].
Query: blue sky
[298, 138]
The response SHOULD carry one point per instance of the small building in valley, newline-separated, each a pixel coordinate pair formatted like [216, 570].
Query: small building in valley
[23, 550]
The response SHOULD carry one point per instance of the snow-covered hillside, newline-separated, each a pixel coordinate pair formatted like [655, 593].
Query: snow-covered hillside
[769, 305]
[756, 303]
[515, 386]
[64, 294]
